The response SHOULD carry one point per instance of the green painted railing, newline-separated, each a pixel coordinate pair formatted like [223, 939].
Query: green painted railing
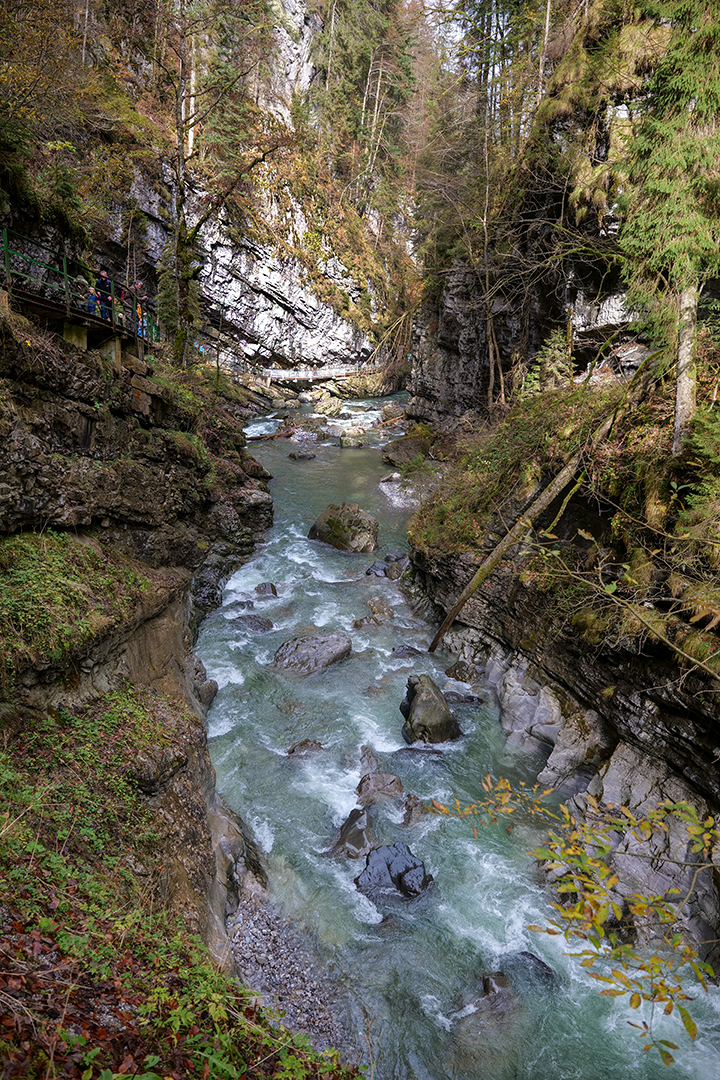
[69, 287]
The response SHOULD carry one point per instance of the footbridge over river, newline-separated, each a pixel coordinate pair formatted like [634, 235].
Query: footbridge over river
[321, 374]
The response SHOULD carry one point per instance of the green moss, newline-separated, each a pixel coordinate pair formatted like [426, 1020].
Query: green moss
[57, 593]
[500, 467]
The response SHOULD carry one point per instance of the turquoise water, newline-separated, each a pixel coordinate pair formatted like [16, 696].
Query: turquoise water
[408, 971]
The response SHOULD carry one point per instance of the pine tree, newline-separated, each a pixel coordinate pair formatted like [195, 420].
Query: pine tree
[672, 229]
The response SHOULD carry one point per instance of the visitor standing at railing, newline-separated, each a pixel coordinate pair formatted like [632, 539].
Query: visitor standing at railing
[103, 288]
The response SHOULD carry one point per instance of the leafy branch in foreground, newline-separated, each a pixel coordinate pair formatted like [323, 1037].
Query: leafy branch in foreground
[591, 912]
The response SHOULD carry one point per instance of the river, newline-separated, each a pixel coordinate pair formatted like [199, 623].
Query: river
[408, 972]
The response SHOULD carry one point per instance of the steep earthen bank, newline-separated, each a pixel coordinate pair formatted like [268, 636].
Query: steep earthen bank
[147, 479]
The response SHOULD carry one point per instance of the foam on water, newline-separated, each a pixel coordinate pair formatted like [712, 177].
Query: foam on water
[410, 965]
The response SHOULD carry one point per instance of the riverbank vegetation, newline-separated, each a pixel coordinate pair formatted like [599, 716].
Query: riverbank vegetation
[98, 979]
[630, 548]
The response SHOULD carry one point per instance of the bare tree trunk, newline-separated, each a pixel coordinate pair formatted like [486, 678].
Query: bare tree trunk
[517, 533]
[543, 52]
[686, 367]
[332, 41]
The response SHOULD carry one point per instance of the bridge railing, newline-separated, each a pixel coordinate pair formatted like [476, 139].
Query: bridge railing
[30, 267]
[309, 374]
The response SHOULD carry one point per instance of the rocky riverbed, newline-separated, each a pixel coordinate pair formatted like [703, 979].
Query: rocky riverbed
[279, 962]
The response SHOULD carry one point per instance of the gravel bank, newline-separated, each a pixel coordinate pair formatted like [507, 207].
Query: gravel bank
[278, 961]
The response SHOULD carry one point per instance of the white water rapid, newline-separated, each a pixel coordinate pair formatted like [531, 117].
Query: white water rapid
[408, 972]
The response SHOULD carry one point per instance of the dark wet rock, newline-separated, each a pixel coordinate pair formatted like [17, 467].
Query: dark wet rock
[355, 839]
[301, 455]
[461, 699]
[254, 622]
[304, 747]
[378, 569]
[415, 810]
[347, 528]
[396, 556]
[393, 868]
[401, 652]
[396, 569]
[266, 588]
[307, 655]
[392, 411]
[462, 671]
[369, 762]
[427, 717]
[206, 692]
[376, 787]
[495, 982]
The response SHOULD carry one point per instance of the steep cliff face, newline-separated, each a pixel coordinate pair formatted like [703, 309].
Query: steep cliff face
[148, 500]
[90, 445]
[450, 363]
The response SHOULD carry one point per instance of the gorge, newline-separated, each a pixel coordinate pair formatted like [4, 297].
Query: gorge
[508, 217]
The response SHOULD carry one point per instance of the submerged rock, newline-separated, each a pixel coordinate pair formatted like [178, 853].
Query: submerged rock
[427, 717]
[266, 588]
[303, 747]
[301, 455]
[346, 527]
[307, 655]
[393, 869]
[254, 622]
[378, 569]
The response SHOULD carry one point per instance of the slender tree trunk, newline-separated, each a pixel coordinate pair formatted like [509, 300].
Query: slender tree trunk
[686, 367]
[332, 42]
[543, 52]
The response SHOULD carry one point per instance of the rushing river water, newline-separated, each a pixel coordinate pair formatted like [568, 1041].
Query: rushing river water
[409, 972]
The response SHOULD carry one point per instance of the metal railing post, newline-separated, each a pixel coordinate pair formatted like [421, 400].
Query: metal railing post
[67, 287]
[6, 249]
[112, 303]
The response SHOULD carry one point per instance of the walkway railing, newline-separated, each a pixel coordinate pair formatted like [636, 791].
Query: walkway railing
[36, 273]
[63, 282]
[310, 374]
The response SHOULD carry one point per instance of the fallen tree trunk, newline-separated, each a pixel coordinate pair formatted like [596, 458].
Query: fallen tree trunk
[519, 530]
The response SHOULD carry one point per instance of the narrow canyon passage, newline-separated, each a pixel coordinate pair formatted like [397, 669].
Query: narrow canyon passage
[408, 973]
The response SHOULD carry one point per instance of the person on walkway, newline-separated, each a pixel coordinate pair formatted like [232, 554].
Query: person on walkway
[103, 288]
[80, 292]
[139, 302]
[91, 305]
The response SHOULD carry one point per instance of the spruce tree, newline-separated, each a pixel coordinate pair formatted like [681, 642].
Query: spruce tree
[672, 229]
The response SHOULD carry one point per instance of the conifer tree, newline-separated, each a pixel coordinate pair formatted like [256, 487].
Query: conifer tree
[672, 228]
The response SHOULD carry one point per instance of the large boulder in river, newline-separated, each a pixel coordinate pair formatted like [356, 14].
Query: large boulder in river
[355, 839]
[307, 655]
[376, 787]
[346, 527]
[393, 869]
[426, 713]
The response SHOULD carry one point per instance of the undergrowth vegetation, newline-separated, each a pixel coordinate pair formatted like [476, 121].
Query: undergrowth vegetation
[97, 979]
[629, 554]
[58, 594]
